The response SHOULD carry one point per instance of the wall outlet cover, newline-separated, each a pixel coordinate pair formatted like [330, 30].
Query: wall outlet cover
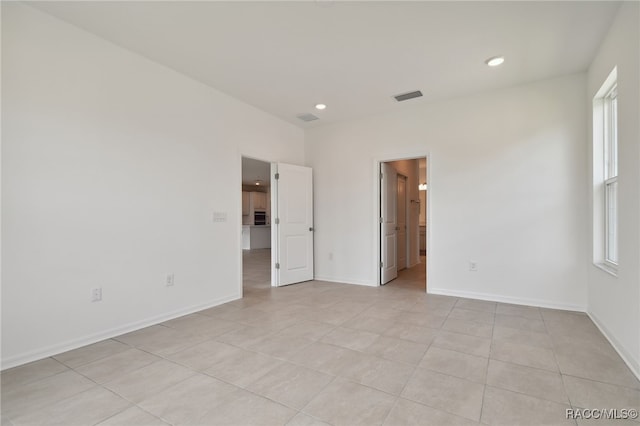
[96, 294]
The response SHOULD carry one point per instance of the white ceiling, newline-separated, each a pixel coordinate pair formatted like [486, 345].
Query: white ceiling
[284, 57]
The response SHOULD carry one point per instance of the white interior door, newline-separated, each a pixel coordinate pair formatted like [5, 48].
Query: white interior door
[388, 223]
[293, 214]
[401, 207]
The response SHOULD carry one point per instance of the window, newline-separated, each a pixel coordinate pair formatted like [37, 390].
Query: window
[605, 175]
[611, 177]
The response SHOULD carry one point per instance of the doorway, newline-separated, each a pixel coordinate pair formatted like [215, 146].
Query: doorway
[256, 225]
[401, 222]
[277, 225]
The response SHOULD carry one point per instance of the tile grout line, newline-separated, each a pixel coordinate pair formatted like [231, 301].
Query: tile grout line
[486, 376]
[351, 298]
[555, 358]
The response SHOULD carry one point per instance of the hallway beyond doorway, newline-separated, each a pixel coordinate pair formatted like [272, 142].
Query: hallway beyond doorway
[414, 278]
[256, 270]
[401, 220]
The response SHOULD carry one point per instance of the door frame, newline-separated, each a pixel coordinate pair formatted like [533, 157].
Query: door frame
[376, 210]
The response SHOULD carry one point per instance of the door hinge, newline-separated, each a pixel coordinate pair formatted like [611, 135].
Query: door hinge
[381, 176]
[381, 220]
[277, 221]
[277, 266]
[277, 176]
[381, 264]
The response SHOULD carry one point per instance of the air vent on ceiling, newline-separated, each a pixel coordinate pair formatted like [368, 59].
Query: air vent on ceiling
[407, 96]
[307, 117]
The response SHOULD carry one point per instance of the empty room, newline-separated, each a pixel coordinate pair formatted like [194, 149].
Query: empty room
[320, 213]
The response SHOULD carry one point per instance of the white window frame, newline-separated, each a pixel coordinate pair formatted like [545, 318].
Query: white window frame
[605, 177]
[610, 227]
[611, 178]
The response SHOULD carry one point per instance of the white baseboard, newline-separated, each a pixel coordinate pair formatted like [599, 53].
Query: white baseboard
[627, 357]
[506, 299]
[344, 281]
[59, 348]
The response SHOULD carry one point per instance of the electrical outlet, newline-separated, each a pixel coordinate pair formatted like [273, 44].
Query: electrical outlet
[473, 266]
[96, 294]
[169, 280]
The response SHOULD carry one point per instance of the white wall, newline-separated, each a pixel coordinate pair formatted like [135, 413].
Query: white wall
[112, 167]
[507, 190]
[614, 302]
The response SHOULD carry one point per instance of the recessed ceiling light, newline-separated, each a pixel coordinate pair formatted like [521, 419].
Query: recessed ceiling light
[320, 106]
[495, 61]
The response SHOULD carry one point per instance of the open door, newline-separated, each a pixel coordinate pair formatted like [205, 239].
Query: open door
[293, 221]
[388, 223]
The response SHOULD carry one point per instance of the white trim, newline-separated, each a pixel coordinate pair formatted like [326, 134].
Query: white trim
[239, 213]
[633, 364]
[608, 185]
[601, 174]
[610, 127]
[606, 268]
[57, 349]
[275, 214]
[345, 281]
[507, 299]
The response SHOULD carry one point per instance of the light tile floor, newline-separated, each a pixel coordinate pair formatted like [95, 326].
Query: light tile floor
[322, 353]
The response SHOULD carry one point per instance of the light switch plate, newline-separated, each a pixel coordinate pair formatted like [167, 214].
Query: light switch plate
[219, 216]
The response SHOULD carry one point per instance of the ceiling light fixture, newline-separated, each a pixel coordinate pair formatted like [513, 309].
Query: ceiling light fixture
[495, 61]
[320, 106]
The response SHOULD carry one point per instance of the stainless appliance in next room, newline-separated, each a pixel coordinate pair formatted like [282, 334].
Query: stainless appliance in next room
[260, 218]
